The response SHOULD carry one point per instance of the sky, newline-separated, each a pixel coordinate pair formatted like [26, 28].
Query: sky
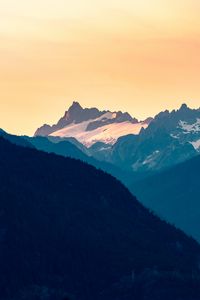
[136, 56]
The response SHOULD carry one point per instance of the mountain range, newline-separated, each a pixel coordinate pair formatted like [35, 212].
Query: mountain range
[154, 164]
[170, 138]
[71, 232]
[88, 236]
[117, 138]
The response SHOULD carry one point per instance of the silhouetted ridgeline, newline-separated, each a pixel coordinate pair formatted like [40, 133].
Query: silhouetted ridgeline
[69, 231]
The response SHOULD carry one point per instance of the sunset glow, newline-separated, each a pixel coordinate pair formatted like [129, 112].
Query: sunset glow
[136, 56]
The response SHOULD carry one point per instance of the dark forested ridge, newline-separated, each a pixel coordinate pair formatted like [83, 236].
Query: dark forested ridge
[70, 231]
[69, 148]
[174, 194]
[17, 140]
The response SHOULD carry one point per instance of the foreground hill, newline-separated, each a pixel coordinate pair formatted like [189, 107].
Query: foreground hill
[69, 231]
[69, 147]
[174, 195]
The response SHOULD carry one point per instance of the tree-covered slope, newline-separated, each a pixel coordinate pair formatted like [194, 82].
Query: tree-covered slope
[69, 231]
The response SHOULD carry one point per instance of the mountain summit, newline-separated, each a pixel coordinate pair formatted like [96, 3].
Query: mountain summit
[75, 114]
[90, 125]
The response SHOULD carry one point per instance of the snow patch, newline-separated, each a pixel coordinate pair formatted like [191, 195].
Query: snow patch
[149, 161]
[196, 145]
[107, 134]
[174, 136]
[150, 158]
[190, 128]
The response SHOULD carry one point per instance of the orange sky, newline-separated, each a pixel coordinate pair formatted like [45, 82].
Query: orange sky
[137, 56]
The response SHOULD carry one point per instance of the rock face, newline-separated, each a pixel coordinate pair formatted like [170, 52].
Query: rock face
[89, 125]
[76, 114]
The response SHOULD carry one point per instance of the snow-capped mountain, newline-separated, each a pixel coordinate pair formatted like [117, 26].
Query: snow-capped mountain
[90, 125]
[171, 137]
[116, 137]
[182, 124]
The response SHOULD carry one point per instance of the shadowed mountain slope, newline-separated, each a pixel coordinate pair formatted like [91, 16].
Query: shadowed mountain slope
[174, 195]
[69, 231]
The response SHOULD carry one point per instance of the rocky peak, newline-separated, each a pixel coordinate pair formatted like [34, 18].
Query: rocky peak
[184, 107]
[73, 112]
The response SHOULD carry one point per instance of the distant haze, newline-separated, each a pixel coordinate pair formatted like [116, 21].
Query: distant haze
[136, 56]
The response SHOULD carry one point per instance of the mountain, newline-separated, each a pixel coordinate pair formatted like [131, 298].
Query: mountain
[90, 125]
[170, 138]
[69, 147]
[18, 140]
[100, 151]
[174, 195]
[182, 124]
[70, 231]
[117, 138]
[59, 146]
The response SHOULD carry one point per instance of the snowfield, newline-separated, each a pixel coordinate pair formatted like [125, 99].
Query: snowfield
[107, 134]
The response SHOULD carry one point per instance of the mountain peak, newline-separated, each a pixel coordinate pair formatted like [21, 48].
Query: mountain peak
[184, 106]
[74, 110]
[75, 104]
